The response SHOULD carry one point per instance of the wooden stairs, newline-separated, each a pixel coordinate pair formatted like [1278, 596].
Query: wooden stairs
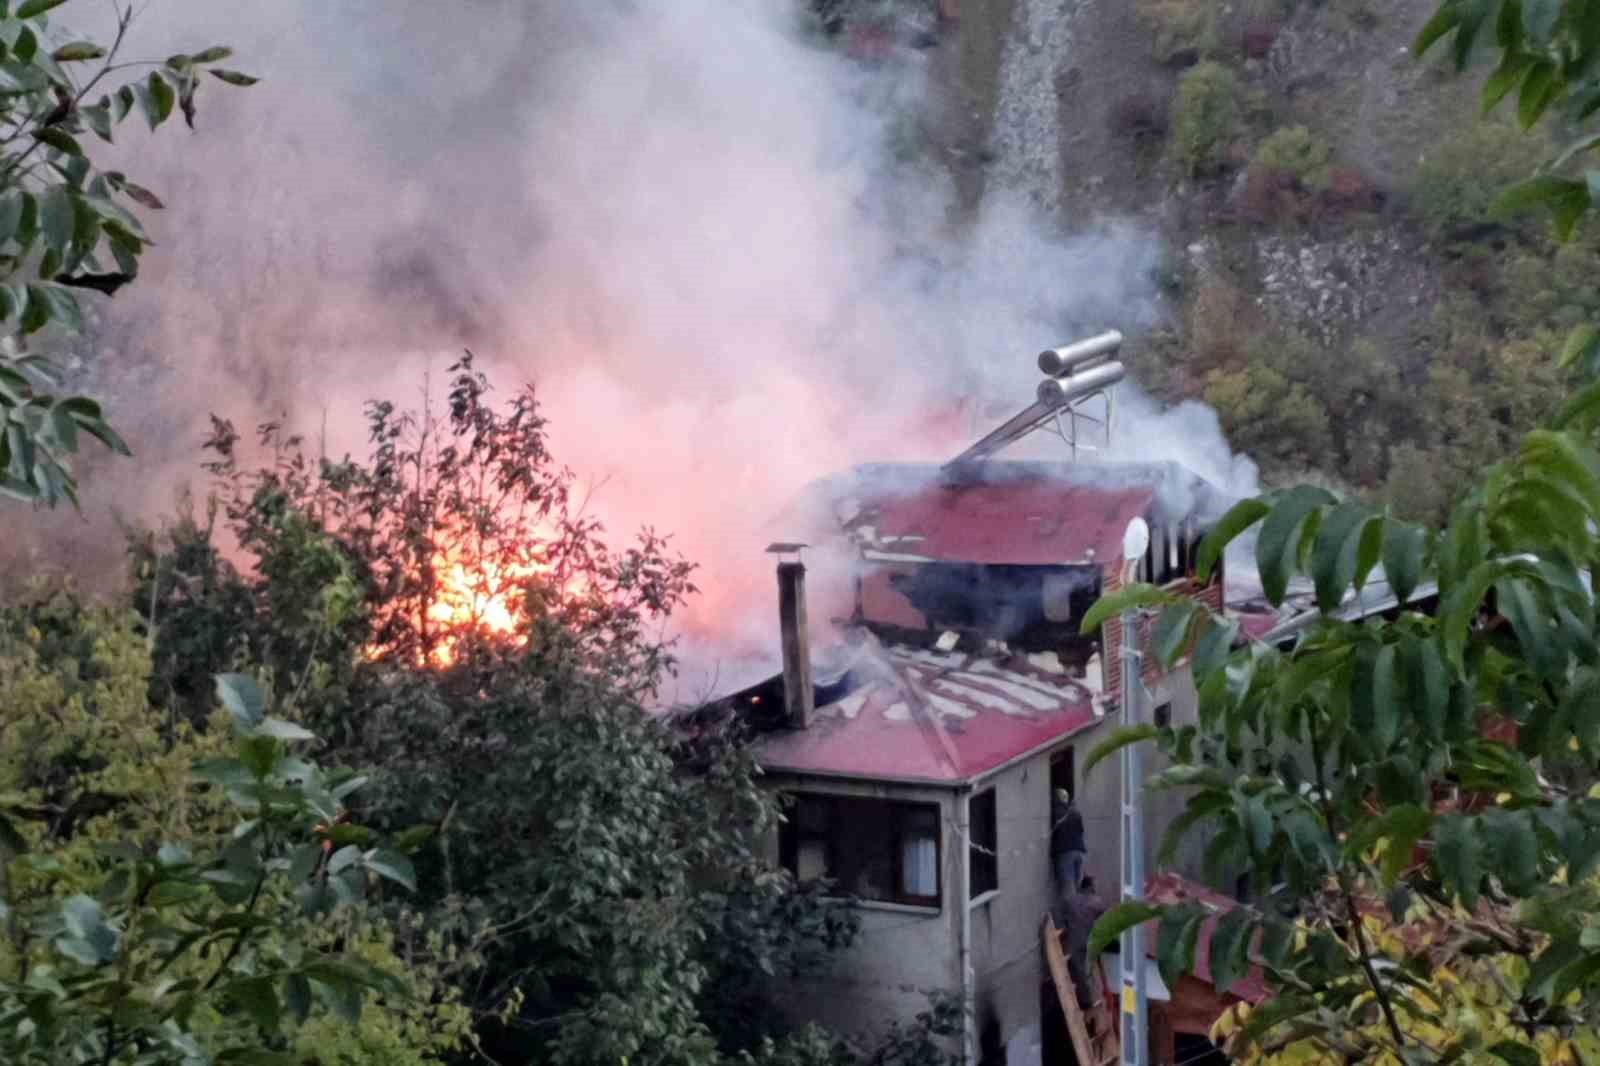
[1095, 1038]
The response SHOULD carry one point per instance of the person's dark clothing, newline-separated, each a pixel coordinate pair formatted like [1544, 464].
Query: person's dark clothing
[1066, 834]
[1075, 915]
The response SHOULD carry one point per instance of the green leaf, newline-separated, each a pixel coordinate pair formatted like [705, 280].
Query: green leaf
[345, 788]
[78, 51]
[1385, 699]
[1277, 548]
[233, 77]
[1461, 607]
[1240, 517]
[303, 861]
[1256, 821]
[282, 730]
[1230, 948]
[60, 140]
[98, 119]
[1545, 190]
[1538, 89]
[29, 8]
[224, 772]
[1116, 921]
[259, 754]
[1458, 856]
[1126, 598]
[410, 840]
[1170, 635]
[1337, 552]
[344, 858]
[393, 866]
[1583, 406]
[1176, 938]
[1516, 1054]
[214, 54]
[1505, 78]
[1443, 21]
[1118, 740]
[162, 97]
[1402, 827]
[297, 996]
[243, 699]
[259, 1000]
[1211, 649]
[1520, 606]
[86, 922]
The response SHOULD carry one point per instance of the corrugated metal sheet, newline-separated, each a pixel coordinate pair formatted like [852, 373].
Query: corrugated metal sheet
[923, 715]
[1023, 522]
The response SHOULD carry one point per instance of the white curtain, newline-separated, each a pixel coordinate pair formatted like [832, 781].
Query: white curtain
[919, 864]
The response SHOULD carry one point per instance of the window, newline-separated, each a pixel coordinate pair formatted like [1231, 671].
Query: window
[872, 849]
[983, 847]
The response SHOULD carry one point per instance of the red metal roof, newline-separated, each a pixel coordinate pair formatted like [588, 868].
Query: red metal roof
[923, 715]
[1022, 514]
[1022, 523]
[1168, 887]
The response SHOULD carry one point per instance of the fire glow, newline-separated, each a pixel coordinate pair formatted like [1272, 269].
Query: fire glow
[478, 599]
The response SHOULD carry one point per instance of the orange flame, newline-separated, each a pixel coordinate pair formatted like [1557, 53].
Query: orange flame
[480, 598]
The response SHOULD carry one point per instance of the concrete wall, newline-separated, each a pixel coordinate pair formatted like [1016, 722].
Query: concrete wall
[902, 953]
[1100, 793]
[1007, 958]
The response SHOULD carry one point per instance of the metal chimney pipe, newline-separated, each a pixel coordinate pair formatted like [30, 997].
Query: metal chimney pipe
[799, 698]
[1059, 361]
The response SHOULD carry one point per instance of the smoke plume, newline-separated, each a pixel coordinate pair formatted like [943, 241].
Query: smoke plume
[696, 228]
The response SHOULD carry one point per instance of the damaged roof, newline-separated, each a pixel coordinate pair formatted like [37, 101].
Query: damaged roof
[1018, 513]
[921, 715]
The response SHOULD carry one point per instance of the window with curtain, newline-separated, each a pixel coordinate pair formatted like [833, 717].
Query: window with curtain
[872, 849]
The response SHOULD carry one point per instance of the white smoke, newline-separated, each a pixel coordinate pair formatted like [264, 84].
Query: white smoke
[691, 223]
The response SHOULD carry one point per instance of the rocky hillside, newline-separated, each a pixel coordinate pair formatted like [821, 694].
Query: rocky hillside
[1332, 283]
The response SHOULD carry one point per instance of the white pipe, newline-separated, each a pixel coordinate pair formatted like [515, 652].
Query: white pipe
[963, 893]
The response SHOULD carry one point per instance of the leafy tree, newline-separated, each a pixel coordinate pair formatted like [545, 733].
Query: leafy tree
[1405, 765]
[445, 609]
[123, 946]
[65, 225]
[1547, 52]
[1204, 118]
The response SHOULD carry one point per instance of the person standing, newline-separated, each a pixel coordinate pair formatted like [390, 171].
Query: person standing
[1067, 845]
[1081, 907]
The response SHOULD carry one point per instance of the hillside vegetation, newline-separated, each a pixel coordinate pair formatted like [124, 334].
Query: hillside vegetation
[1332, 281]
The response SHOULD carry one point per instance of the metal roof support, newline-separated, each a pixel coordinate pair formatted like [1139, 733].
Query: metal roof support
[1075, 374]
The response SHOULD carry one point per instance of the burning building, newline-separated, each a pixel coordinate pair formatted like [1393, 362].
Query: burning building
[923, 732]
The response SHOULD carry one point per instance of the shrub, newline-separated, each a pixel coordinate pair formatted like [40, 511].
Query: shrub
[1204, 118]
[1267, 415]
[1298, 153]
[1463, 172]
[1185, 29]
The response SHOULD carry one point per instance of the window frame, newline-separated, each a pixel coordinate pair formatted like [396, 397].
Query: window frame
[789, 841]
[983, 854]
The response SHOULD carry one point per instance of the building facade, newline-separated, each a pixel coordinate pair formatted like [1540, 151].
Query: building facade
[923, 747]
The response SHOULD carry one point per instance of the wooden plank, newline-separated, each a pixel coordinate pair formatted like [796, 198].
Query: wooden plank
[1094, 1036]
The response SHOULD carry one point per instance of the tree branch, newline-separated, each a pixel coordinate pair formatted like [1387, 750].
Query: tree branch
[1331, 816]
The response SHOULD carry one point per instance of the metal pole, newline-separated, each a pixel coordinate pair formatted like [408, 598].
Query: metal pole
[1133, 1008]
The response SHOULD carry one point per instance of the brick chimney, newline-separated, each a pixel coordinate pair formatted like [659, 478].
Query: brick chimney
[799, 698]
